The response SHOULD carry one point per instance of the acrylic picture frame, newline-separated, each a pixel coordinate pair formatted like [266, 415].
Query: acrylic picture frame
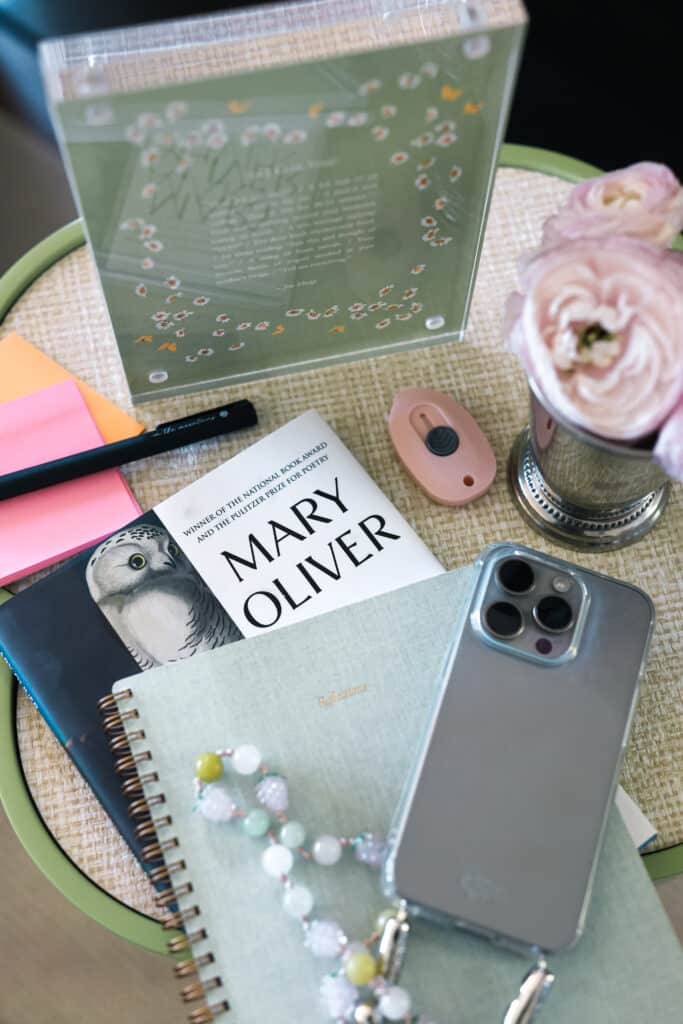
[286, 187]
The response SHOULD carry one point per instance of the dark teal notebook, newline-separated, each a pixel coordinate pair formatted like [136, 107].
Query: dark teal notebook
[338, 705]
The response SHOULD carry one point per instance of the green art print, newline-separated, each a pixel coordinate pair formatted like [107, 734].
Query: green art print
[284, 219]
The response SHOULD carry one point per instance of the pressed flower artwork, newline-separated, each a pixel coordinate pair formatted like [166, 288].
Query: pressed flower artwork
[268, 219]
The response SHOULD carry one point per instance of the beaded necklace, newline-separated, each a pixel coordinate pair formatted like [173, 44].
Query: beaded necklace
[362, 989]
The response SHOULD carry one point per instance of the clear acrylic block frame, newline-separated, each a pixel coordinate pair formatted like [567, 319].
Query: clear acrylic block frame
[285, 187]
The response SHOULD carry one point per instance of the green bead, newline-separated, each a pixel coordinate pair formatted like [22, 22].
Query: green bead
[383, 917]
[256, 823]
[360, 968]
[208, 767]
[292, 835]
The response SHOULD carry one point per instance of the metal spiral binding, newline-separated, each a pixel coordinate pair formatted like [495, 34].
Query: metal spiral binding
[140, 808]
[184, 942]
[111, 701]
[178, 920]
[197, 989]
[154, 851]
[205, 1014]
[137, 783]
[185, 968]
[123, 741]
[127, 765]
[113, 723]
[167, 896]
[152, 825]
[164, 871]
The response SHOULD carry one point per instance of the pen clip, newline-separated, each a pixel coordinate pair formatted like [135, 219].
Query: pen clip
[221, 412]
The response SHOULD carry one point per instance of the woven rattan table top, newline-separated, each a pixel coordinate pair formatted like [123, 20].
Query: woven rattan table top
[63, 313]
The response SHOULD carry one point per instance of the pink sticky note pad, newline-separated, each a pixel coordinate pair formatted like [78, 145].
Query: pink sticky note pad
[45, 526]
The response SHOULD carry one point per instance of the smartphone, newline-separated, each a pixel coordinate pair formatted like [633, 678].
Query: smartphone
[501, 823]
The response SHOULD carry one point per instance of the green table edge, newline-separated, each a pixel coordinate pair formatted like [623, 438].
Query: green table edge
[21, 811]
[44, 850]
[40, 258]
[664, 863]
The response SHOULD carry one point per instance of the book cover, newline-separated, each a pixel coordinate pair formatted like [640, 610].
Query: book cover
[339, 708]
[286, 530]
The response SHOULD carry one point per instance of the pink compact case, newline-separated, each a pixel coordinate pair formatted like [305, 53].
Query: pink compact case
[441, 446]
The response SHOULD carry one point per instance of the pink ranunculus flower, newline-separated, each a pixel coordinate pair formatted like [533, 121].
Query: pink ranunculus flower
[669, 447]
[644, 200]
[599, 328]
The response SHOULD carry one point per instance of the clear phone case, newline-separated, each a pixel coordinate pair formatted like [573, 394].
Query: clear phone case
[501, 822]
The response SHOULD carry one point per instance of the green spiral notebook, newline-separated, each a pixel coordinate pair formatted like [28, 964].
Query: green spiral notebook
[338, 704]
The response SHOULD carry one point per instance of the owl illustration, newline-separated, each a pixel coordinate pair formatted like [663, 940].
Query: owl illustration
[153, 599]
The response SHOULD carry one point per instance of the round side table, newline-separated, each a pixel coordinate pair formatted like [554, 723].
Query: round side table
[14, 791]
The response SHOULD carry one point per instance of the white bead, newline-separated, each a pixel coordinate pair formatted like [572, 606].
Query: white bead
[395, 1003]
[325, 938]
[338, 996]
[277, 860]
[246, 759]
[327, 850]
[216, 804]
[292, 835]
[272, 793]
[298, 901]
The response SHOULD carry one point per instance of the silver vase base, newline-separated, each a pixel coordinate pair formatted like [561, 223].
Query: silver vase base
[569, 524]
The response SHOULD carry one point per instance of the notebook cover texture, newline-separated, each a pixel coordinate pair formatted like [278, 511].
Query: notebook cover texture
[338, 705]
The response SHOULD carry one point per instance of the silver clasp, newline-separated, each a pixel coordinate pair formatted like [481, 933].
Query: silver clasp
[533, 992]
[392, 945]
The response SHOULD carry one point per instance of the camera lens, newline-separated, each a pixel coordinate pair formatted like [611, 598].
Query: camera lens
[553, 614]
[503, 619]
[516, 576]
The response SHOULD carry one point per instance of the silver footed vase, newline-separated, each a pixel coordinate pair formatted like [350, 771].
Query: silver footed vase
[582, 490]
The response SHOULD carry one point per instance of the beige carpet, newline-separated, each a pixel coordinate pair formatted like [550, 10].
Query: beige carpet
[59, 967]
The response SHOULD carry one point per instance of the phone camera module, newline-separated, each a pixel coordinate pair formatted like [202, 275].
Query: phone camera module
[562, 584]
[504, 620]
[553, 614]
[516, 576]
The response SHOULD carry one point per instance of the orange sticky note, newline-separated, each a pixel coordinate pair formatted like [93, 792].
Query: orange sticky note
[25, 369]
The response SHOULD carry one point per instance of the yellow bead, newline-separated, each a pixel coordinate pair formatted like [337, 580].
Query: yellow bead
[360, 968]
[208, 767]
